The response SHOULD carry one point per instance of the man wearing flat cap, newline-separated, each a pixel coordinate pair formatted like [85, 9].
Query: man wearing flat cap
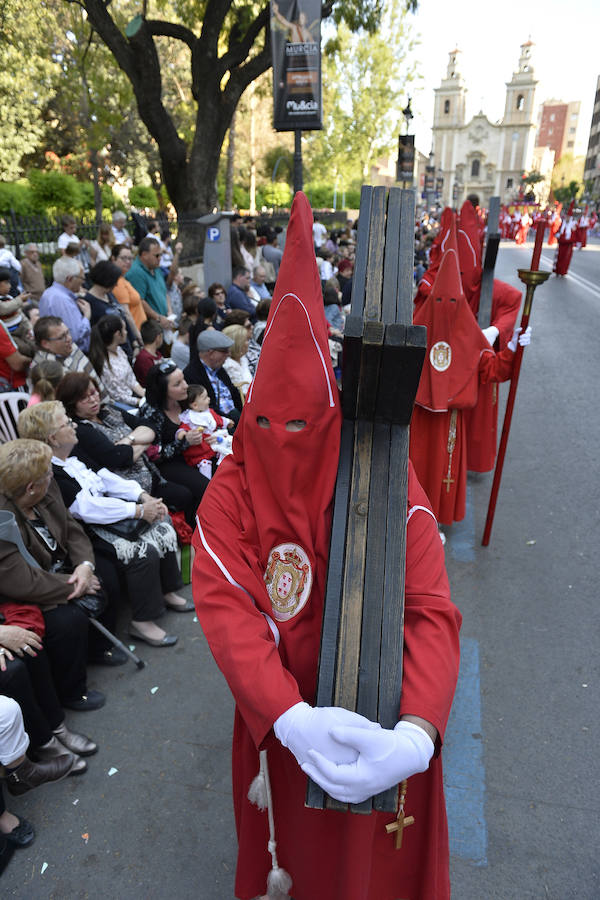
[213, 349]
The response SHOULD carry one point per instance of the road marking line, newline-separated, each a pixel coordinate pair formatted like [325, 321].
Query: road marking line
[580, 281]
[464, 775]
[461, 535]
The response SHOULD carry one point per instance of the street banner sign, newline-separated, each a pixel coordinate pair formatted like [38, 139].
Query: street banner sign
[296, 46]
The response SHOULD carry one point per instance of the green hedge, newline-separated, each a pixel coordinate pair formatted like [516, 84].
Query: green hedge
[141, 196]
[16, 196]
[54, 193]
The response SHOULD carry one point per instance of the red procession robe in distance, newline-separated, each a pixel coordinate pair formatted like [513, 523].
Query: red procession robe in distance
[481, 421]
[566, 242]
[329, 855]
[458, 359]
[430, 437]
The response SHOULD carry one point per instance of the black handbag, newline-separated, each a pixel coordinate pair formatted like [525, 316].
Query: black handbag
[93, 605]
[130, 529]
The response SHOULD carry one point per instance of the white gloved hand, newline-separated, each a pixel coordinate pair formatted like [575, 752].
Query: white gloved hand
[524, 339]
[302, 728]
[385, 758]
[490, 334]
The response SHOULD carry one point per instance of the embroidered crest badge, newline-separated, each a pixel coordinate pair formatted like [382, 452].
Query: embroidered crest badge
[288, 579]
[440, 356]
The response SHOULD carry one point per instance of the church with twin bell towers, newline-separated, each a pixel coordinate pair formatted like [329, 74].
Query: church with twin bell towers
[479, 156]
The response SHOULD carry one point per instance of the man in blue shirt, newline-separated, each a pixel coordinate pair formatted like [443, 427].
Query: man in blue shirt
[61, 300]
[148, 280]
[237, 293]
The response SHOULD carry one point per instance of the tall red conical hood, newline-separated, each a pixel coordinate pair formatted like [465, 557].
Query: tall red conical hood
[289, 475]
[445, 238]
[436, 250]
[571, 208]
[469, 254]
[454, 342]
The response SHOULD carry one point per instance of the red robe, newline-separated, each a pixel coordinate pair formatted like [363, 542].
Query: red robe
[567, 237]
[270, 500]
[430, 440]
[555, 223]
[338, 856]
[523, 229]
[582, 230]
[458, 360]
[481, 422]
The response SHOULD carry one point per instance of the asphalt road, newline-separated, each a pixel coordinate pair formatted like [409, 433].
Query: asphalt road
[521, 754]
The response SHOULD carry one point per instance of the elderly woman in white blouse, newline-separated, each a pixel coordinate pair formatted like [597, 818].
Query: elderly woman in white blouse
[131, 533]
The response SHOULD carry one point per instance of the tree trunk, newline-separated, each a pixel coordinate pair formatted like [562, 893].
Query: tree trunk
[189, 173]
[252, 151]
[97, 191]
[230, 174]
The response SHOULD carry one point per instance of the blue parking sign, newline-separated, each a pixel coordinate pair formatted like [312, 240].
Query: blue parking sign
[213, 233]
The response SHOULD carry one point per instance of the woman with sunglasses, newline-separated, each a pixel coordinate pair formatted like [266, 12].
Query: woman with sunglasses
[166, 398]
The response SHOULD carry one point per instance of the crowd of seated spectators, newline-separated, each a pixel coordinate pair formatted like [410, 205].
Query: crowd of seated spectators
[136, 380]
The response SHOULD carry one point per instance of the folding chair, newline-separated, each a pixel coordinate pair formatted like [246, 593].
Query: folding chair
[11, 405]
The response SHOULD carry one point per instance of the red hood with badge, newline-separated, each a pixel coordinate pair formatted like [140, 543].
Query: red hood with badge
[455, 342]
[281, 480]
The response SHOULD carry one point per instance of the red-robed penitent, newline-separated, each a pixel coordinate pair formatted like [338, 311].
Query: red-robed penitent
[567, 238]
[481, 422]
[259, 580]
[458, 359]
[436, 251]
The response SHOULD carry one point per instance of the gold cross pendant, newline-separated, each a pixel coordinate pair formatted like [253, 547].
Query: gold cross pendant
[448, 481]
[398, 826]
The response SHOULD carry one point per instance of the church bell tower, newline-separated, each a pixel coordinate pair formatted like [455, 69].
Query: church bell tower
[520, 91]
[449, 108]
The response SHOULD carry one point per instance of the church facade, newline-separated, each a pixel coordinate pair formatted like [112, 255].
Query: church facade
[480, 157]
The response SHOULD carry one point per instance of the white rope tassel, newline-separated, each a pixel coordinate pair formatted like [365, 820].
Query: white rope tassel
[278, 880]
[257, 792]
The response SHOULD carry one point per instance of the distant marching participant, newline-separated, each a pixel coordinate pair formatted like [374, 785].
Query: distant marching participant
[567, 238]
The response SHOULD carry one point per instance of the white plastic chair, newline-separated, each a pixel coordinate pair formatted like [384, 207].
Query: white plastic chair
[11, 405]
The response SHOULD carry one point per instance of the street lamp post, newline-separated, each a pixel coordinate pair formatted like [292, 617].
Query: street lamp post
[430, 181]
[406, 151]
[439, 186]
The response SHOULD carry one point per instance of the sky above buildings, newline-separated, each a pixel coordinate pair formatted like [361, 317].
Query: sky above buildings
[565, 57]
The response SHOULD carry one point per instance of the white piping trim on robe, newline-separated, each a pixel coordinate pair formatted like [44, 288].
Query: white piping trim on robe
[231, 580]
[468, 240]
[414, 509]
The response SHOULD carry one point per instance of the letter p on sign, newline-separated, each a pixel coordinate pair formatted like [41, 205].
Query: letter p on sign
[213, 233]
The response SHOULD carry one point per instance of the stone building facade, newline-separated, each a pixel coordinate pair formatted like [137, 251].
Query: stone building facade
[591, 173]
[479, 156]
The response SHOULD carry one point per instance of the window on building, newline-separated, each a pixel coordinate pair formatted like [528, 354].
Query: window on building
[475, 169]
[570, 143]
[509, 184]
[520, 102]
[552, 117]
[551, 131]
[572, 130]
[446, 106]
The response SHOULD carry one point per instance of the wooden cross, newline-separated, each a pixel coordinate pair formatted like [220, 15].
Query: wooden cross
[484, 315]
[398, 826]
[360, 666]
